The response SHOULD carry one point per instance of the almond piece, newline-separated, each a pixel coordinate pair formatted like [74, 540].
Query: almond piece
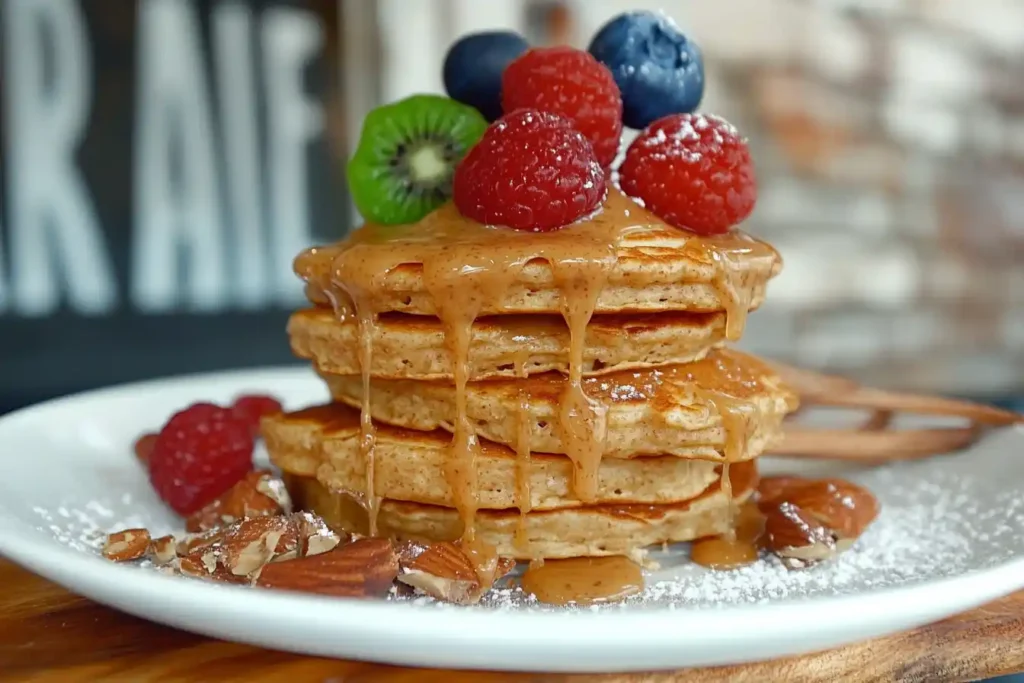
[123, 546]
[771, 488]
[444, 571]
[242, 501]
[505, 565]
[207, 518]
[144, 447]
[251, 543]
[205, 566]
[240, 550]
[307, 534]
[163, 549]
[199, 540]
[362, 568]
[795, 536]
[273, 488]
[193, 565]
[315, 537]
[440, 570]
[842, 506]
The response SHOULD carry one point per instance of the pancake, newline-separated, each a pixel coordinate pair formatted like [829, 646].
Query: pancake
[673, 410]
[593, 530]
[413, 347]
[623, 259]
[323, 441]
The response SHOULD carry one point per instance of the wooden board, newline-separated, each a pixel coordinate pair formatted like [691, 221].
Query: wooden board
[48, 634]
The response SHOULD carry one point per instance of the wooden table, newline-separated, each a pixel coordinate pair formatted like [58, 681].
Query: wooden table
[48, 634]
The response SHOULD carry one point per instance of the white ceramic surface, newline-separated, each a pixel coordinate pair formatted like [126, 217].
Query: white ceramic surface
[951, 537]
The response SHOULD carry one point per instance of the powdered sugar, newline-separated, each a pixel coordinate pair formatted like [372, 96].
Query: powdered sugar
[85, 526]
[940, 517]
[690, 134]
[937, 520]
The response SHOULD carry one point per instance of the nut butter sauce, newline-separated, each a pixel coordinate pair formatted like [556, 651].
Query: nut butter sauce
[583, 580]
[367, 431]
[523, 497]
[740, 544]
[724, 382]
[470, 270]
[737, 549]
[349, 298]
[721, 384]
[524, 430]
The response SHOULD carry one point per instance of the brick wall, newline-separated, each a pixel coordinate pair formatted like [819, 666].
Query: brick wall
[889, 140]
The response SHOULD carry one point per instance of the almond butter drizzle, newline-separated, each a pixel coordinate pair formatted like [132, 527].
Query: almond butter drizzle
[524, 501]
[735, 550]
[524, 430]
[366, 317]
[844, 508]
[733, 289]
[367, 432]
[582, 419]
[718, 384]
[468, 270]
[583, 580]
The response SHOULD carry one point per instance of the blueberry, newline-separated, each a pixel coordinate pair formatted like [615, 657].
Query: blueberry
[657, 69]
[473, 68]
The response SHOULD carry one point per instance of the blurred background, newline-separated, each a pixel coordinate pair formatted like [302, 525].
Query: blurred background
[164, 160]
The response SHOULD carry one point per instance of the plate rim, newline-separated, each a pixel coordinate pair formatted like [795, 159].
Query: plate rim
[631, 631]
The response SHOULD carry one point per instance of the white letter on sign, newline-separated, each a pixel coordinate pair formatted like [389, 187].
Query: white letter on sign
[52, 221]
[236, 87]
[177, 203]
[290, 39]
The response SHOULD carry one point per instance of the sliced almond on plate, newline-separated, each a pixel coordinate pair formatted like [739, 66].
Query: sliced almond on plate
[796, 537]
[258, 494]
[440, 570]
[444, 571]
[842, 506]
[163, 549]
[126, 545]
[363, 568]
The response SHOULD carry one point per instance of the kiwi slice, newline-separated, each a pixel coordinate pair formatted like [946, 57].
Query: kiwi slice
[402, 169]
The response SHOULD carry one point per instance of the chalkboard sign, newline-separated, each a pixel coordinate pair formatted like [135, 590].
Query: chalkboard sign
[162, 163]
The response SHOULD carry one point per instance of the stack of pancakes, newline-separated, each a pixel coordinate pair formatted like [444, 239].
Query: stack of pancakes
[544, 395]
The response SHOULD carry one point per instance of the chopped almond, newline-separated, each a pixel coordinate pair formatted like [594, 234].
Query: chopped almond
[363, 568]
[123, 546]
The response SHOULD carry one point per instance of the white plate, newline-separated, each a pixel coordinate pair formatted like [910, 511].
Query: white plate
[950, 537]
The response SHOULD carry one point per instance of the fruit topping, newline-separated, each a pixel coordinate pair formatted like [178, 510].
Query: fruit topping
[570, 83]
[531, 171]
[474, 65]
[252, 407]
[200, 453]
[658, 70]
[407, 151]
[693, 171]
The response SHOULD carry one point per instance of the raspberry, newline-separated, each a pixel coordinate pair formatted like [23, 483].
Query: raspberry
[251, 407]
[531, 171]
[570, 83]
[693, 171]
[200, 453]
